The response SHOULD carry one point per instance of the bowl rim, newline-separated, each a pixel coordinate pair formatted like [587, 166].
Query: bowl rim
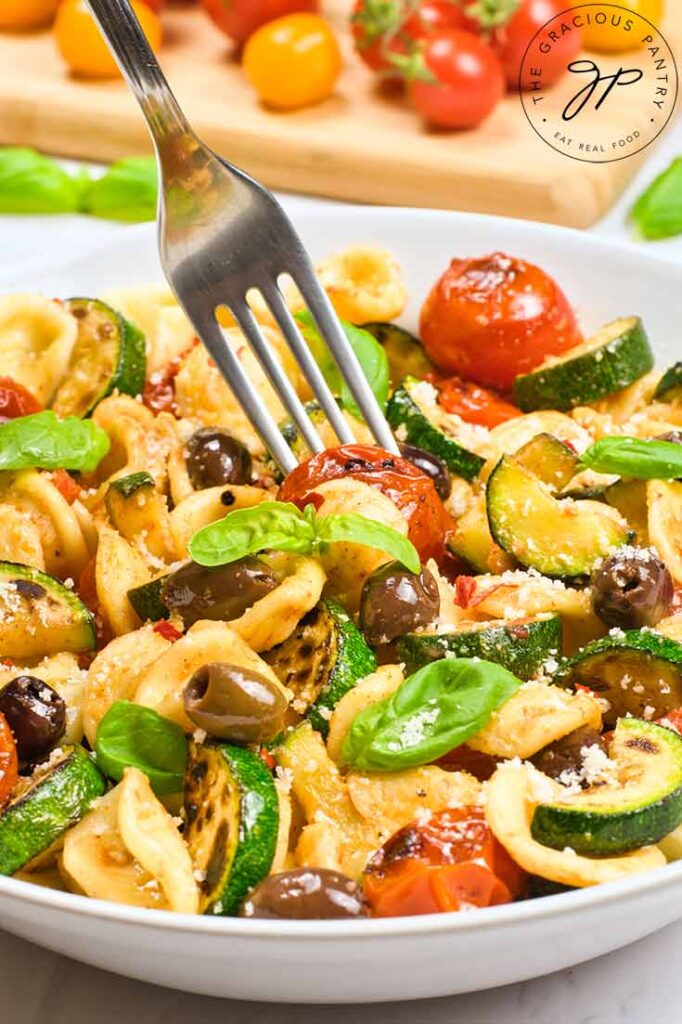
[655, 880]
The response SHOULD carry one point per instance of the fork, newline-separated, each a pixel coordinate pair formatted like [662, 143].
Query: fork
[221, 234]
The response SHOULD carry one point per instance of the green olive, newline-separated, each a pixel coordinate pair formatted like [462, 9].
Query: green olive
[223, 593]
[234, 703]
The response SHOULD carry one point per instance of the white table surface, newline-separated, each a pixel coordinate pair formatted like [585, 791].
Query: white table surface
[641, 984]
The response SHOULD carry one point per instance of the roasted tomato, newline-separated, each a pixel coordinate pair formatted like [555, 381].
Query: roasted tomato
[293, 62]
[474, 404]
[238, 19]
[66, 485]
[9, 762]
[451, 862]
[511, 40]
[410, 490]
[490, 318]
[15, 400]
[384, 29]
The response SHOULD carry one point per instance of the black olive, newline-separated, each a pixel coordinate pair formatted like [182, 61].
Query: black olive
[222, 593]
[431, 465]
[632, 588]
[214, 458]
[566, 754]
[36, 714]
[235, 703]
[395, 601]
[306, 894]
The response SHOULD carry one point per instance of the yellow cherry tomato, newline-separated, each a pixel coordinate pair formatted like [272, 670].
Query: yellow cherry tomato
[293, 61]
[610, 37]
[21, 14]
[81, 44]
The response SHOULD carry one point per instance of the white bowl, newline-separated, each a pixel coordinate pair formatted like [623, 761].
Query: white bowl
[401, 958]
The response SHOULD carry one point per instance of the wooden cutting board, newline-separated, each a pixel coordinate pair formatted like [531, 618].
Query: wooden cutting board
[357, 145]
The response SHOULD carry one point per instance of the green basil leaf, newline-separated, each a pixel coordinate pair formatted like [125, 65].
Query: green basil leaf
[127, 191]
[433, 711]
[33, 183]
[371, 356]
[630, 456]
[42, 441]
[131, 735]
[360, 530]
[276, 525]
[658, 211]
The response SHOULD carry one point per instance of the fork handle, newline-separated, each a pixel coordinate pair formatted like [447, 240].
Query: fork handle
[140, 68]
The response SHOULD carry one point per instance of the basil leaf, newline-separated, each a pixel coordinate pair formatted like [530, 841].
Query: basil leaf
[359, 530]
[371, 356]
[630, 456]
[127, 191]
[33, 183]
[131, 735]
[433, 711]
[658, 211]
[42, 441]
[272, 524]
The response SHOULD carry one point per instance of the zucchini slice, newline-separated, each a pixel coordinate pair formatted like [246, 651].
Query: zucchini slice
[55, 797]
[139, 511]
[146, 601]
[638, 673]
[471, 540]
[321, 661]
[629, 497]
[404, 351]
[550, 460]
[615, 357]
[520, 645]
[109, 355]
[413, 409]
[670, 384]
[232, 819]
[40, 616]
[636, 803]
[558, 538]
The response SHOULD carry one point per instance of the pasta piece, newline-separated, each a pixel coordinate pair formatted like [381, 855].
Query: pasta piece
[535, 716]
[142, 304]
[36, 339]
[203, 507]
[118, 568]
[367, 691]
[509, 806]
[281, 857]
[364, 283]
[179, 483]
[161, 686]
[20, 539]
[671, 627]
[321, 845]
[397, 798]
[116, 673]
[273, 619]
[140, 442]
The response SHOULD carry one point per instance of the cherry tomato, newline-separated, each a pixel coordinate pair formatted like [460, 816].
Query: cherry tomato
[468, 85]
[474, 404]
[17, 15]
[15, 400]
[452, 862]
[511, 40]
[490, 318]
[610, 37]
[9, 762]
[410, 490]
[82, 45]
[239, 19]
[293, 62]
[387, 28]
[66, 485]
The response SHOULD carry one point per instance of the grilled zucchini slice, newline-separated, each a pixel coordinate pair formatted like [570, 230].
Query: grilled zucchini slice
[615, 357]
[669, 386]
[637, 804]
[550, 460]
[232, 819]
[321, 661]
[55, 797]
[109, 355]
[40, 616]
[404, 351]
[146, 601]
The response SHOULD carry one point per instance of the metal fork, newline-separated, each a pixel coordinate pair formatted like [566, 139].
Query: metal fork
[222, 234]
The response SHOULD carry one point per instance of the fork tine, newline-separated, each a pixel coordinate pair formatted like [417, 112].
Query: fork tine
[276, 375]
[331, 330]
[304, 358]
[238, 381]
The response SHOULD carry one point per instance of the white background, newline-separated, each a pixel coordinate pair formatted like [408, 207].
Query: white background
[638, 985]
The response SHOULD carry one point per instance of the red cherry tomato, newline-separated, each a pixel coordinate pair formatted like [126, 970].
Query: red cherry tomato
[474, 404]
[410, 490]
[9, 763]
[452, 862]
[468, 85]
[239, 19]
[491, 318]
[511, 40]
[392, 27]
[15, 400]
[66, 485]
